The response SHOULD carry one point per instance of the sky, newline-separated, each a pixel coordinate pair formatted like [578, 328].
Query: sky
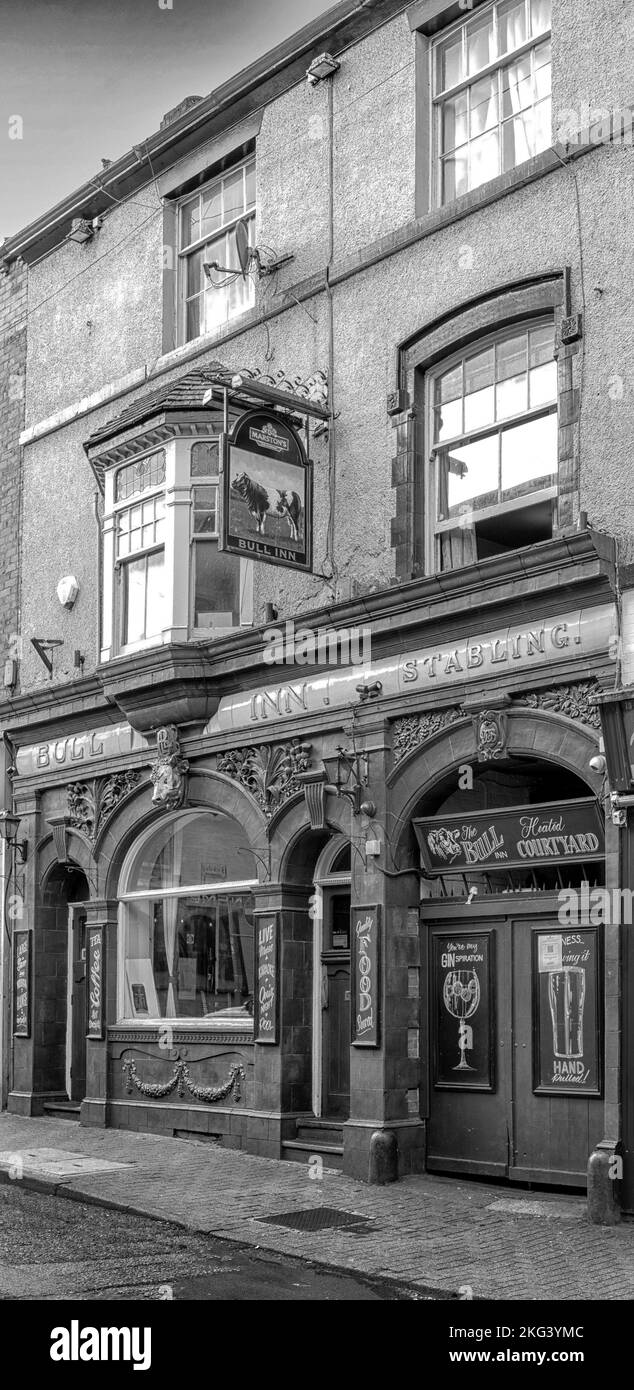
[84, 80]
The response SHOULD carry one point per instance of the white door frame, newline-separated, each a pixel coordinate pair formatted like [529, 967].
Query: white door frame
[323, 879]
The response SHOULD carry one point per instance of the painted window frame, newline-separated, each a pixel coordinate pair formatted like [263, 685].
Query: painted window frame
[186, 250]
[178, 491]
[495, 68]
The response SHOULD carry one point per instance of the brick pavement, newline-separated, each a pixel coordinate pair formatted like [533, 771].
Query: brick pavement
[438, 1233]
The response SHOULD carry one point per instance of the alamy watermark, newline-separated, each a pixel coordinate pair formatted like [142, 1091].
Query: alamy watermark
[594, 125]
[602, 907]
[305, 646]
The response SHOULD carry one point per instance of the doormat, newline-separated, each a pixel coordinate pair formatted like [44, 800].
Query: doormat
[320, 1219]
[53, 1163]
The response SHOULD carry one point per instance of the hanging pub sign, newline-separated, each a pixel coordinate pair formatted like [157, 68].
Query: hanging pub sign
[518, 837]
[22, 984]
[266, 1010]
[366, 981]
[464, 1048]
[266, 493]
[566, 1006]
[94, 982]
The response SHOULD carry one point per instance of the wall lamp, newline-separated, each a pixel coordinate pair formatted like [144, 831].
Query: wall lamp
[344, 768]
[8, 832]
[83, 230]
[322, 67]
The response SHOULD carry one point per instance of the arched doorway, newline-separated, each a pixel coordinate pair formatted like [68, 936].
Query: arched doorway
[331, 982]
[62, 987]
[512, 855]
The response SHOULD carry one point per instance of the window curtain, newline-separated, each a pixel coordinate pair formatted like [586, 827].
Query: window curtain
[457, 547]
[170, 925]
[517, 74]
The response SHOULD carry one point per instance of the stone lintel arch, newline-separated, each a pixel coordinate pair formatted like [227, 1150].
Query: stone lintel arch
[532, 733]
[293, 823]
[206, 790]
[79, 857]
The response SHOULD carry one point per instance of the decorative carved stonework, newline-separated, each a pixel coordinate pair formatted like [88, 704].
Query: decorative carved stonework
[572, 700]
[90, 803]
[313, 388]
[414, 729]
[490, 728]
[270, 772]
[181, 1080]
[169, 770]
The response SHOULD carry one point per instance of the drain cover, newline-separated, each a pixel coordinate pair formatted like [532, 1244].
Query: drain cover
[318, 1219]
[53, 1163]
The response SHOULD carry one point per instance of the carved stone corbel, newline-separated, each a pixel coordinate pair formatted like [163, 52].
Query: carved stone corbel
[314, 784]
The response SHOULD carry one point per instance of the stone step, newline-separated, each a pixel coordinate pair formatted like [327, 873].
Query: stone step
[62, 1109]
[319, 1134]
[302, 1151]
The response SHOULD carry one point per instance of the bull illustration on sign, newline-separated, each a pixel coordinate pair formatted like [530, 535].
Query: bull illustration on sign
[258, 503]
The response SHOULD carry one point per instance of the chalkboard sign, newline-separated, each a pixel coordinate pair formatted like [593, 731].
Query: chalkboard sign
[464, 1039]
[266, 1011]
[519, 837]
[22, 984]
[366, 982]
[567, 1017]
[94, 982]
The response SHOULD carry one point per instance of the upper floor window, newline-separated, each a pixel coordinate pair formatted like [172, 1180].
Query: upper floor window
[215, 577]
[491, 89]
[140, 547]
[492, 483]
[207, 222]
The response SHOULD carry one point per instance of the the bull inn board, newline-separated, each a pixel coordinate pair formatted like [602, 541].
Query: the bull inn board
[22, 984]
[266, 492]
[517, 837]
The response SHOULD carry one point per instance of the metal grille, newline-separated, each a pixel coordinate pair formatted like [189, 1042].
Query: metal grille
[319, 1219]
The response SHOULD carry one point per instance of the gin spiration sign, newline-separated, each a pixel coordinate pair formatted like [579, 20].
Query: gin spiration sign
[518, 837]
[94, 982]
[365, 923]
[463, 1032]
[266, 1010]
[266, 492]
[566, 999]
[22, 984]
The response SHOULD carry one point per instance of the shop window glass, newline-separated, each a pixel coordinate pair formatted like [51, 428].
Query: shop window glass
[188, 923]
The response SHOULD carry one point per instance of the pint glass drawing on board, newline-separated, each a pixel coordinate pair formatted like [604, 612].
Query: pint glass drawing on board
[566, 995]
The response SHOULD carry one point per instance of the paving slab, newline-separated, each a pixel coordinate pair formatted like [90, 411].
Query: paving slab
[466, 1239]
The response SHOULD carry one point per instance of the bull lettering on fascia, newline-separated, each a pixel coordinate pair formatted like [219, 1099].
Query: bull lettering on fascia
[65, 750]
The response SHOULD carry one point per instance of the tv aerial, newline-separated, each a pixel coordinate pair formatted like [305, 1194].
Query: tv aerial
[250, 259]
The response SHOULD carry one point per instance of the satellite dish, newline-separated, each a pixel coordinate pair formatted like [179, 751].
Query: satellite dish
[242, 247]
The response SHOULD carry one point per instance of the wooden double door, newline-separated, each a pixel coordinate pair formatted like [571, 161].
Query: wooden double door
[515, 1046]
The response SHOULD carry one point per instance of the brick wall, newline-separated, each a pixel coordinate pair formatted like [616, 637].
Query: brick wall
[13, 299]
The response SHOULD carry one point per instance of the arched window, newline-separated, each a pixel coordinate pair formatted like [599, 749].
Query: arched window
[493, 477]
[187, 922]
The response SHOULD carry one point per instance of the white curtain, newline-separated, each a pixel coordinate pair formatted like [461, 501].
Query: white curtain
[517, 75]
[170, 925]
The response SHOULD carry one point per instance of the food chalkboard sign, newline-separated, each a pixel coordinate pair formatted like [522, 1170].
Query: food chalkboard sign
[94, 982]
[22, 984]
[366, 983]
[266, 1011]
[566, 975]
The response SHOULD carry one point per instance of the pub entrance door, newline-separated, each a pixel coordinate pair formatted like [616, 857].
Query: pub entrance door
[76, 1013]
[515, 1046]
[335, 1005]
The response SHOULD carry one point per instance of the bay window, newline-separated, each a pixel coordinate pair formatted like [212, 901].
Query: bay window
[164, 577]
[207, 221]
[492, 481]
[491, 92]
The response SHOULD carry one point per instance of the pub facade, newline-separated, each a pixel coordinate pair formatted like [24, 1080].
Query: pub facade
[315, 849]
